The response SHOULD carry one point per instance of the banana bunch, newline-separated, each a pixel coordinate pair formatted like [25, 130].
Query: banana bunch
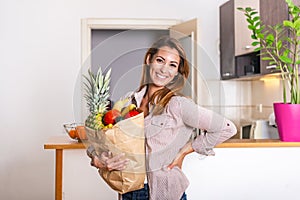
[119, 105]
[128, 109]
[125, 110]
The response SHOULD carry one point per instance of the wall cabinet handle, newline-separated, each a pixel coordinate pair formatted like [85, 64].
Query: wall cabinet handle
[227, 74]
[271, 67]
[247, 47]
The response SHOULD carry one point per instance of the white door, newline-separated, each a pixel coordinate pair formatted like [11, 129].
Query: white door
[186, 33]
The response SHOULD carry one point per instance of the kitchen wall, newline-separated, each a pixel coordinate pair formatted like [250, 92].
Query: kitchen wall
[247, 101]
[266, 91]
[252, 99]
[39, 67]
[40, 62]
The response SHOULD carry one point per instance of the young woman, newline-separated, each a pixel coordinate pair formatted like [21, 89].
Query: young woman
[170, 121]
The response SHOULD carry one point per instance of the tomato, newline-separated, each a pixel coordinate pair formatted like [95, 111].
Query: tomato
[110, 116]
[132, 113]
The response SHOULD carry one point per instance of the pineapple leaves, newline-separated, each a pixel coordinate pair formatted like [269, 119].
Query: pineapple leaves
[107, 76]
[96, 89]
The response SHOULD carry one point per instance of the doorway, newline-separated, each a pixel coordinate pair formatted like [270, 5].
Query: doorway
[123, 51]
[121, 45]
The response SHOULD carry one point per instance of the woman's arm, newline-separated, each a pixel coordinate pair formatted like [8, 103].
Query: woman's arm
[106, 160]
[109, 162]
[217, 128]
[187, 149]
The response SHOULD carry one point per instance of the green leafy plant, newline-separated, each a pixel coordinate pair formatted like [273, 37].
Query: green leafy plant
[280, 45]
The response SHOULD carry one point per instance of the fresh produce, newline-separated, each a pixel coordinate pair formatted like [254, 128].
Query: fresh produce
[113, 116]
[127, 109]
[119, 118]
[132, 113]
[110, 116]
[76, 131]
[73, 134]
[97, 94]
[81, 134]
[120, 104]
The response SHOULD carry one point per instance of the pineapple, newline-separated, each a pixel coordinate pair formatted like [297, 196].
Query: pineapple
[96, 88]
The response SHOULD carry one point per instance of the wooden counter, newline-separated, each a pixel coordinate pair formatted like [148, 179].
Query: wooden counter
[246, 143]
[59, 143]
[64, 142]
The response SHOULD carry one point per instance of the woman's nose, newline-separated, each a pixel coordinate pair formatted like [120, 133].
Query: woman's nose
[163, 67]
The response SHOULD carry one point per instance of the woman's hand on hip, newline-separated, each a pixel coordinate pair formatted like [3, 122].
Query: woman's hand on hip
[185, 150]
[109, 162]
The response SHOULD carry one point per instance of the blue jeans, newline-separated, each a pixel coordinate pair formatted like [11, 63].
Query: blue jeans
[142, 194]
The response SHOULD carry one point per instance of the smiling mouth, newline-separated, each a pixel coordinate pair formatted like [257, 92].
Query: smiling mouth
[161, 76]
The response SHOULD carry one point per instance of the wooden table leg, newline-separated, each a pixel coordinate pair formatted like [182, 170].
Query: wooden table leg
[58, 174]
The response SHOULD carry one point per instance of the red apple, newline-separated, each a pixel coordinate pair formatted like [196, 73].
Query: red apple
[110, 116]
[132, 113]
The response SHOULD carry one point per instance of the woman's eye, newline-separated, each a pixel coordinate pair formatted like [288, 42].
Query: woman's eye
[173, 65]
[159, 60]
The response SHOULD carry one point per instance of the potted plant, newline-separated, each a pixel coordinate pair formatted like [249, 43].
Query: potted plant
[280, 45]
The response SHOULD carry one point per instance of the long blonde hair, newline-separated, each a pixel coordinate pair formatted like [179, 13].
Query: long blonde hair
[162, 97]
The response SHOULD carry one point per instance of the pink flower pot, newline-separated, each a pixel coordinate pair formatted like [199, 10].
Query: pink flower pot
[287, 118]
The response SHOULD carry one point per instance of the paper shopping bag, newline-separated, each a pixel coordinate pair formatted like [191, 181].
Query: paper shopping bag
[127, 136]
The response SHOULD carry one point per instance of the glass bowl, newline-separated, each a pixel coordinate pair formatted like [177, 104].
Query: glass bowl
[76, 131]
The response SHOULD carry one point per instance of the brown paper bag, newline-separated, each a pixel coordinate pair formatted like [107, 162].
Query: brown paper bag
[127, 136]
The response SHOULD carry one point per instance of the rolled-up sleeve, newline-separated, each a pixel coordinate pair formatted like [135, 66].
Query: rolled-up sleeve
[217, 128]
[91, 151]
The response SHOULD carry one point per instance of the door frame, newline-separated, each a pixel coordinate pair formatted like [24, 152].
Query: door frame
[89, 24]
[189, 28]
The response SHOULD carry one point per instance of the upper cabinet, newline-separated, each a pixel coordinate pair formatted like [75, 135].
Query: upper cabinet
[227, 42]
[242, 34]
[272, 13]
[238, 58]
[235, 37]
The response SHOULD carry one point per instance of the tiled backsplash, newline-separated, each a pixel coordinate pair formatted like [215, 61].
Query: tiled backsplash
[242, 101]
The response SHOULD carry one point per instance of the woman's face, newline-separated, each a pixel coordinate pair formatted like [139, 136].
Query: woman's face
[164, 66]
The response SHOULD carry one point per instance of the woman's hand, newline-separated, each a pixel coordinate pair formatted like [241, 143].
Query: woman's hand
[109, 162]
[180, 156]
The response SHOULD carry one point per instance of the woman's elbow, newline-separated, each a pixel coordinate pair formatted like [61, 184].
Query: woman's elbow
[231, 129]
